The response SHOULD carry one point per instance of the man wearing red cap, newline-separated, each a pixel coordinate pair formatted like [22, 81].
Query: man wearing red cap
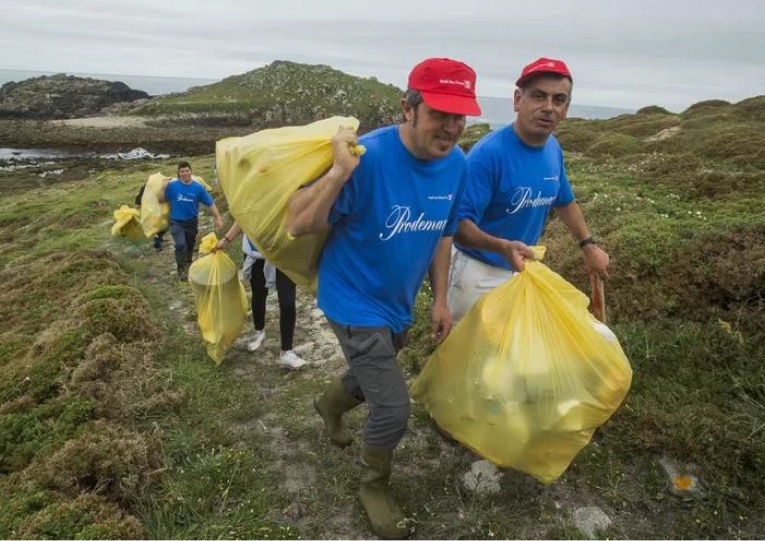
[391, 216]
[516, 175]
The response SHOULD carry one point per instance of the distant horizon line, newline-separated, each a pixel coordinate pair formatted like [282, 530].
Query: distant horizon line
[212, 80]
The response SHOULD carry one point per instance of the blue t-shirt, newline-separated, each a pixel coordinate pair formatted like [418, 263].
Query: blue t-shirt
[511, 188]
[184, 199]
[386, 223]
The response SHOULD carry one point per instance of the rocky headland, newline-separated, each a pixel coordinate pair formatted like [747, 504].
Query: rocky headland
[63, 96]
[77, 113]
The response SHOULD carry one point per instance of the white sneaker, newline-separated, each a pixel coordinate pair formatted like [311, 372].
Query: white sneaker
[241, 342]
[291, 360]
[257, 340]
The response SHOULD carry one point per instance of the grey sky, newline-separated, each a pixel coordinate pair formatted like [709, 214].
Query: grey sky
[622, 54]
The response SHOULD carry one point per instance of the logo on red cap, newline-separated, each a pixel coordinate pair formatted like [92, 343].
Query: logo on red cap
[544, 65]
[446, 85]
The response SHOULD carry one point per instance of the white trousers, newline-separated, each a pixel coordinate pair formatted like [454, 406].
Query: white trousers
[469, 279]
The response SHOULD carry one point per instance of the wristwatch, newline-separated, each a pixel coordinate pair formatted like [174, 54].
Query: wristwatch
[585, 242]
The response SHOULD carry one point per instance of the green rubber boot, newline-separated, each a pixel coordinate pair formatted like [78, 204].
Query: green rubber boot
[387, 519]
[331, 405]
[183, 266]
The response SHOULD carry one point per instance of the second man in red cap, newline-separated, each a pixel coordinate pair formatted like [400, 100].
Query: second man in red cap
[516, 175]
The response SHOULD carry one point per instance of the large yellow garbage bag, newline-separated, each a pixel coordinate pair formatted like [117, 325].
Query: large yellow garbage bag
[154, 215]
[126, 223]
[219, 297]
[259, 172]
[527, 375]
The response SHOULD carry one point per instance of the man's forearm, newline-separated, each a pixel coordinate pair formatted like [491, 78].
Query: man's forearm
[233, 231]
[214, 211]
[309, 207]
[438, 273]
[572, 217]
[470, 236]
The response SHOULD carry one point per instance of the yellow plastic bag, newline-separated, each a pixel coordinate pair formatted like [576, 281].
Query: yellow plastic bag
[527, 375]
[203, 183]
[154, 215]
[219, 297]
[259, 172]
[126, 223]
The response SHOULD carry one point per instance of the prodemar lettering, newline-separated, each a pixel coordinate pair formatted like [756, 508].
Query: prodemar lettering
[398, 222]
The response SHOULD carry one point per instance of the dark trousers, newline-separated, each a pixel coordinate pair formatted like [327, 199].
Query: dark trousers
[159, 239]
[374, 376]
[184, 234]
[285, 289]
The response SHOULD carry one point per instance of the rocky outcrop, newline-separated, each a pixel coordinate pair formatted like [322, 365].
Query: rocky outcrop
[282, 93]
[279, 94]
[62, 96]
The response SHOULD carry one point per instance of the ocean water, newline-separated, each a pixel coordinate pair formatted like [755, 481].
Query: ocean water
[496, 111]
[154, 86]
[499, 111]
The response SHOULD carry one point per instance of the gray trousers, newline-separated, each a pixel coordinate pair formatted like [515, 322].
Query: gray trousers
[374, 376]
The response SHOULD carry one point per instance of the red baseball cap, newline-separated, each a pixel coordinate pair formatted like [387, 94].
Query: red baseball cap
[544, 65]
[446, 85]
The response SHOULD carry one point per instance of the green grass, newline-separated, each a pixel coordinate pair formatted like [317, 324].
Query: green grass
[114, 424]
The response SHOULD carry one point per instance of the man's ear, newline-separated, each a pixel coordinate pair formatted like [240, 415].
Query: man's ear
[517, 99]
[408, 109]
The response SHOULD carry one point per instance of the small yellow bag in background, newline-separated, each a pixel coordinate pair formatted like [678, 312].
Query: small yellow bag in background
[259, 172]
[154, 215]
[127, 223]
[203, 183]
[528, 374]
[219, 297]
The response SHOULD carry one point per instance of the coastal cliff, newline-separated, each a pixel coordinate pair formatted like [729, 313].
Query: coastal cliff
[60, 96]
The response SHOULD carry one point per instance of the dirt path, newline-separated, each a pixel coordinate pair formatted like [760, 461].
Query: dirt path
[443, 487]
[294, 459]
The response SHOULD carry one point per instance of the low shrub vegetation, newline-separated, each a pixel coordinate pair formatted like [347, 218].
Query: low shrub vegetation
[114, 424]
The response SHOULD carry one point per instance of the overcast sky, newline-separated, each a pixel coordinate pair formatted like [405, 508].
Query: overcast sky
[622, 53]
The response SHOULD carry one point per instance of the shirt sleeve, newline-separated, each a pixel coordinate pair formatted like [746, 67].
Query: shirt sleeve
[204, 196]
[343, 205]
[170, 192]
[565, 194]
[478, 187]
[451, 226]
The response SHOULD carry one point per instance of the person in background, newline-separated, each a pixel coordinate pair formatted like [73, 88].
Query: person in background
[391, 216]
[160, 236]
[184, 195]
[516, 175]
[257, 270]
